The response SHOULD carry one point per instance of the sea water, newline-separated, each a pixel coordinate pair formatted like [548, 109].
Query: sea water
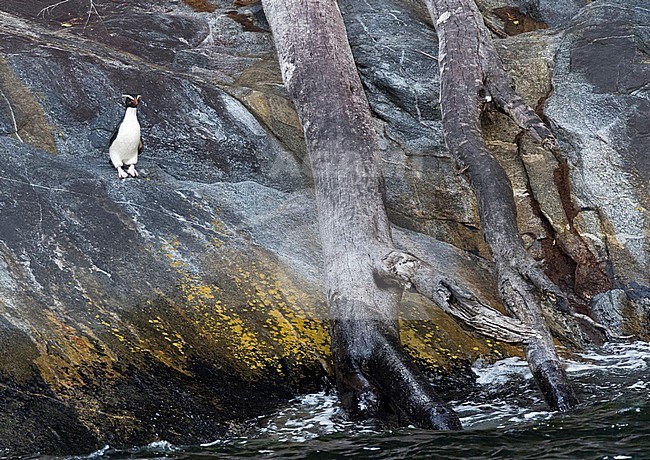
[504, 417]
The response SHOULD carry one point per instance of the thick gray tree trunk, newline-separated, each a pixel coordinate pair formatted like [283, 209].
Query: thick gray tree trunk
[372, 370]
[472, 75]
[366, 274]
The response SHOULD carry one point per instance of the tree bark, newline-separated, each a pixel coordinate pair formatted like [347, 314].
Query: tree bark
[471, 76]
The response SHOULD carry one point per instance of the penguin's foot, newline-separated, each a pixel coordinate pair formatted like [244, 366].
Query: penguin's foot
[121, 173]
[132, 172]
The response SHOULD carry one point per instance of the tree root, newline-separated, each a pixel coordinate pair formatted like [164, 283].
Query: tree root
[374, 374]
[455, 300]
[411, 392]
[376, 379]
[523, 301]
[611, 336]
[472, 75]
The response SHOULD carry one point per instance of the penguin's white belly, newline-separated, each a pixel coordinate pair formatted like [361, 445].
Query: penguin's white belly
[124, 149]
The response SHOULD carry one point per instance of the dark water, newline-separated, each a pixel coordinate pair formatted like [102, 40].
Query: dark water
[505, 419]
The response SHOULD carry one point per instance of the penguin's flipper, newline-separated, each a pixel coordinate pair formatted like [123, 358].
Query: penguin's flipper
[140, 147]
[113, 136]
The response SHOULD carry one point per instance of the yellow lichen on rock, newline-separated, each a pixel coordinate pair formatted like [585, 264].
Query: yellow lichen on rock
[67, 358]
[436, 341]
[251, 315]
[257, 322]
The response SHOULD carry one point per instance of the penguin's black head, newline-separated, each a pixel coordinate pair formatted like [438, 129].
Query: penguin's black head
[131, 100]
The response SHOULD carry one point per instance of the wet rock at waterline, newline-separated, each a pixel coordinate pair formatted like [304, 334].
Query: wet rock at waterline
[174, 306]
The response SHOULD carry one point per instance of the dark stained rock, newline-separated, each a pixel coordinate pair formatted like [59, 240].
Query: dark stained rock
[553, 12]
[517, 22]
[600, 107]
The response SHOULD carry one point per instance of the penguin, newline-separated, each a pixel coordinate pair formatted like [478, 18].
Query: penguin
[126, 142]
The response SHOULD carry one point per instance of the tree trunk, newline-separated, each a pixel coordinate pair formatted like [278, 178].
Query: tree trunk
[366, 274]
[471, 76]
[372, 370]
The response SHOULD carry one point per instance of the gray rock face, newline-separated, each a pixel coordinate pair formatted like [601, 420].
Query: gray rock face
[117, 315]
[600, 108]
[394, 46]
[108, 300]
[131, 308]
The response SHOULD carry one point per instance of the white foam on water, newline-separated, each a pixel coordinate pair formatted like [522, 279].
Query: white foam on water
[92, 456]
[506, 395]
[308, 417]
[473, 415]
[615, 370]
[640, 385]
[501, 371]
[613, 357]
[611, 372]
[162, 446]
[96, 454]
